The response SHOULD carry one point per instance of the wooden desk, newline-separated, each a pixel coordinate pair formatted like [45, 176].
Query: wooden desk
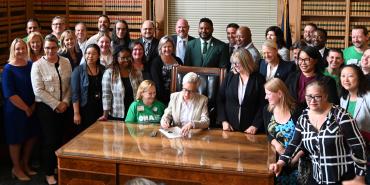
[113, 152]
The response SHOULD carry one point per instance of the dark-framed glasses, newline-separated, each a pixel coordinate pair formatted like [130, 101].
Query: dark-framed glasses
[310, 98]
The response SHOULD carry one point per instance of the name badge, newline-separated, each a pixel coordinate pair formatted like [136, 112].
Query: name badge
[155, 109]
[140, 108]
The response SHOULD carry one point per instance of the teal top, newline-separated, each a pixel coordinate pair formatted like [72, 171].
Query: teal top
[351, 107]
[140, 113]
[352, 56]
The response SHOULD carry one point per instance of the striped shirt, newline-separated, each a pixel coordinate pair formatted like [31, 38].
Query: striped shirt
[338, 148]
[113, 95]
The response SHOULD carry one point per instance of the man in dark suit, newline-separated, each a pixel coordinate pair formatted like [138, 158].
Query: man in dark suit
[244, 40]
[319, 38]
[206, 51]
[182, 38]
[150, 43]
[273, 66]
[231, 36]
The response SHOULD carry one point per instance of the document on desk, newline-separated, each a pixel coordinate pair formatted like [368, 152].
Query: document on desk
[170, 133]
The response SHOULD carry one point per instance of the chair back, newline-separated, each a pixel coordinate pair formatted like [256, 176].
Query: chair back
[210, 82]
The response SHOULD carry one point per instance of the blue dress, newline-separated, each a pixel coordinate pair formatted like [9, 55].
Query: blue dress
[16, 80]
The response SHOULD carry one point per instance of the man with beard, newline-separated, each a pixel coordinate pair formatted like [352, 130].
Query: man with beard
[182, 38]
[206, 51]
[103, 26]
[149, 42]
[319, 38]
[353, 54]
[308, 33]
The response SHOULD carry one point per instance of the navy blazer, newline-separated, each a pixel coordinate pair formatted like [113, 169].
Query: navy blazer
[282, 72]
[251, 107]
[217, 54]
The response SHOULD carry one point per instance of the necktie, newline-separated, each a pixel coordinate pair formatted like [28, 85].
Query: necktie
[146, 47]
[181, 49]
[204, 51]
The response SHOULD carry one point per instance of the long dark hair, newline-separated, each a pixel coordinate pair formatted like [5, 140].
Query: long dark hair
[96, 47]
[363, 87]
[121, 41]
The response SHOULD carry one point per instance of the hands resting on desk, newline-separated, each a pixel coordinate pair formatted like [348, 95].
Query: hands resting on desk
[226, 126]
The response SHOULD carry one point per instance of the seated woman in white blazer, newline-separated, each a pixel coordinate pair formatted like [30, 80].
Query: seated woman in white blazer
[187, 108]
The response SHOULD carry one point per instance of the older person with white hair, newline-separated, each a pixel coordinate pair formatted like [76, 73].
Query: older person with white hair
[187, 108]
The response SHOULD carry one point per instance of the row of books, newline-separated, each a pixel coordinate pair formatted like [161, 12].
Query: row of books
[48, 3]
[91, 20]
[91, 3]
[335, 43]
[323, 8]
[334, 28]
[367, 24]
[360, 8]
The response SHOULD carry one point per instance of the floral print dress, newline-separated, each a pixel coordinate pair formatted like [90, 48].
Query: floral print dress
[283, 133]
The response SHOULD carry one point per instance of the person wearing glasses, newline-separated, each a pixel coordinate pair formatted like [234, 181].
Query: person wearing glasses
[331, 138]
[51, 78]
[119, 84]
[311, 65]
[187, 108]
[58, 26]
[145, 109]
[162, 66]
[87, 89]
[241, 97]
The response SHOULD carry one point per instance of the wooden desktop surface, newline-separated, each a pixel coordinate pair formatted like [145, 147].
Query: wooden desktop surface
[113, 152]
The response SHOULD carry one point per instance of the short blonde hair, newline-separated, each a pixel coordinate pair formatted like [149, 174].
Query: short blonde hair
[275, 85]
[144, 86]
[12, 56]
[163, 41]
[30, 37]
[270, 44]
[246, 60]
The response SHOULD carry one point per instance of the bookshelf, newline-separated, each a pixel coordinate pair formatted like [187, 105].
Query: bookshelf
[88, 11]
[12, 19]
[336, 16]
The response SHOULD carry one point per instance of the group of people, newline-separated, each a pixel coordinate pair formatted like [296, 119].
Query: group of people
[313, 105]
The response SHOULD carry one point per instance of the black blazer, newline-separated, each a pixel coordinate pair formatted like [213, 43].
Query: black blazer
[251, 107]
[283, 70]
[153, 52]
[157, 77]
[78, 57]
[217, 54]
[267, 117]
[292, 83]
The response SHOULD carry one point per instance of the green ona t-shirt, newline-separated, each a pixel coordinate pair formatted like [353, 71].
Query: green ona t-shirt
[351, 107]
[140, 113]
[352, 56]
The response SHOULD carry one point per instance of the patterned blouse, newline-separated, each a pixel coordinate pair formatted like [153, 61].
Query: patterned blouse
[283, 133]
[335, 150]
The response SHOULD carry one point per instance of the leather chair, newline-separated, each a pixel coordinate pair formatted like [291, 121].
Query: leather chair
[211, 80]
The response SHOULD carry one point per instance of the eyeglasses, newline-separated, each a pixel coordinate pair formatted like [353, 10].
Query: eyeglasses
[310, 98]
[125, 59]
[188, 91]
[304, 60]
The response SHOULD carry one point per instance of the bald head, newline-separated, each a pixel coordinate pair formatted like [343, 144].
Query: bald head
[243, 36]
[147, 29]
[182, 28]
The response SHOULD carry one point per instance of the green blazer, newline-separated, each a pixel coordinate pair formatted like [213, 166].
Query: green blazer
[217, 54]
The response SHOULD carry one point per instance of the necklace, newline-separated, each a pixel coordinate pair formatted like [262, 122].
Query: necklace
[95, 78]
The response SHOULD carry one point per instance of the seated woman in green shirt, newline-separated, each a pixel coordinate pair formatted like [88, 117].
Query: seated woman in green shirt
[145, 109]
